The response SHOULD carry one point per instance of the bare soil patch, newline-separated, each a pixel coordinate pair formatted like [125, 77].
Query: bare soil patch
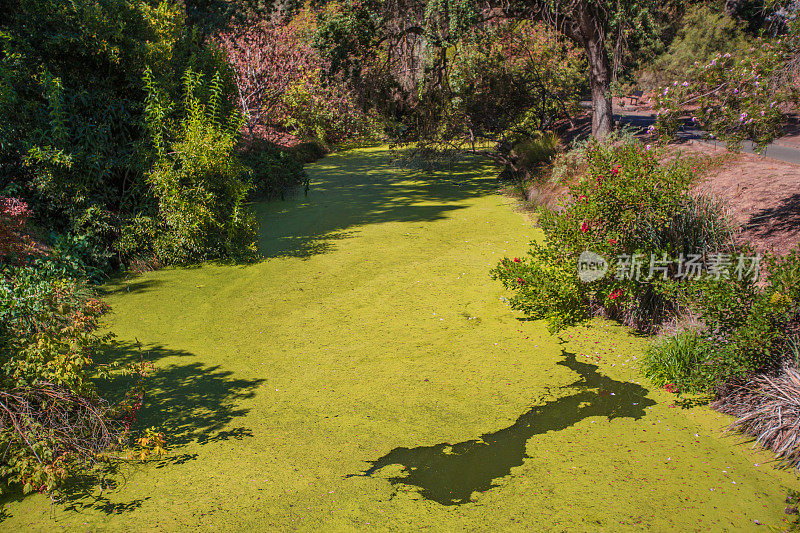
[762, 194]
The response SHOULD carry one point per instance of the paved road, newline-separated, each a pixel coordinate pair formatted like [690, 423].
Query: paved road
[777, 151]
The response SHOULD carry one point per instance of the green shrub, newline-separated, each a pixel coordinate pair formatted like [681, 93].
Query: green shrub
[85, 250]
[53, 422]
[569, 164]
[275, 171]
[673, 361]
[198, 182]
[746, 327]
[308, 152]
[98, 156]
[531, 155]
[627, 203]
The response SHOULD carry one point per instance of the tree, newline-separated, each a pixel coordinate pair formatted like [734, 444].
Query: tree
[268, 59]
[397, 25]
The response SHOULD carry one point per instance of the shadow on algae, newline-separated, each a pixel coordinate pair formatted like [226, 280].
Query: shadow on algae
[450, 473]
[365, 187]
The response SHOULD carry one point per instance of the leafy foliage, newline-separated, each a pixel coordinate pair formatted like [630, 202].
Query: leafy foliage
[400, 54]
[704, 34]
[268, 59]
[627, 203]
[53, 422]
[14, 213]
[745, 328]
[276, 172]
[280, 83]
[735, 97]
[198, 180]
[84, 131]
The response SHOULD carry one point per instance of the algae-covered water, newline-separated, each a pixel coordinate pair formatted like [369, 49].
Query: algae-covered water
[367, 375]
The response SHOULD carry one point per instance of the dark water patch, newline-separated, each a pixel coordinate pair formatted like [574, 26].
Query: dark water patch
[450, 473]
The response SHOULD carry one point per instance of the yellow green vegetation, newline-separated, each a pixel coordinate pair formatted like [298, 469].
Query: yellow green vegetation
[367, 374]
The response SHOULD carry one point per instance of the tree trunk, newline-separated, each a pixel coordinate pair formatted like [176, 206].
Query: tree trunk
[600, 82]
[588, 31]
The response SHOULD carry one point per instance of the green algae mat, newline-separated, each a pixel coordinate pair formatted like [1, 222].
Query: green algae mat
[368, 375]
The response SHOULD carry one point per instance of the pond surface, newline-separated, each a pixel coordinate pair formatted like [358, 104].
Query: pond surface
[368, 375]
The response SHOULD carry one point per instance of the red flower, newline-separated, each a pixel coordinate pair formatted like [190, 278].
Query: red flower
[520, 281]
[671, 387]
[616, 169]
[616, 294]
[612, 241]
[584, 227]
[581, 198]
[516, 260]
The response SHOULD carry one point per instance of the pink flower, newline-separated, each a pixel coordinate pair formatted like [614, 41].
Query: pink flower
[616, 170]
[520, 281]
[581, 198]
[671, 387]
[584, 227]
[616, 294]
[612, 241]
[517, 260]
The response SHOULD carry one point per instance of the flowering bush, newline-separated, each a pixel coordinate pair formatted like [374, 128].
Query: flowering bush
[734, 97]
[627, 203]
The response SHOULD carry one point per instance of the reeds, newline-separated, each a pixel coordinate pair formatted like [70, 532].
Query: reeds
[767, 408]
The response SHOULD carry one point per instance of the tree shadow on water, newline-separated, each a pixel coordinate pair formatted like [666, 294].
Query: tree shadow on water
[449, 473]
[358, 188]
[191, 401]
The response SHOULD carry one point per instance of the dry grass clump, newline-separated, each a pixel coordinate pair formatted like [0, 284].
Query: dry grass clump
[767, 408]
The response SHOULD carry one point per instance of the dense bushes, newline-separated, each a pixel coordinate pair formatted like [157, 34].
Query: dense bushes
[14, 213]
[119, 160]
[628, 205]
[198, 181]
[121, 140]
[275, 171]
[313, 109]
[74, 141]
[53, 422]
[634, 244]
[743, 326]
